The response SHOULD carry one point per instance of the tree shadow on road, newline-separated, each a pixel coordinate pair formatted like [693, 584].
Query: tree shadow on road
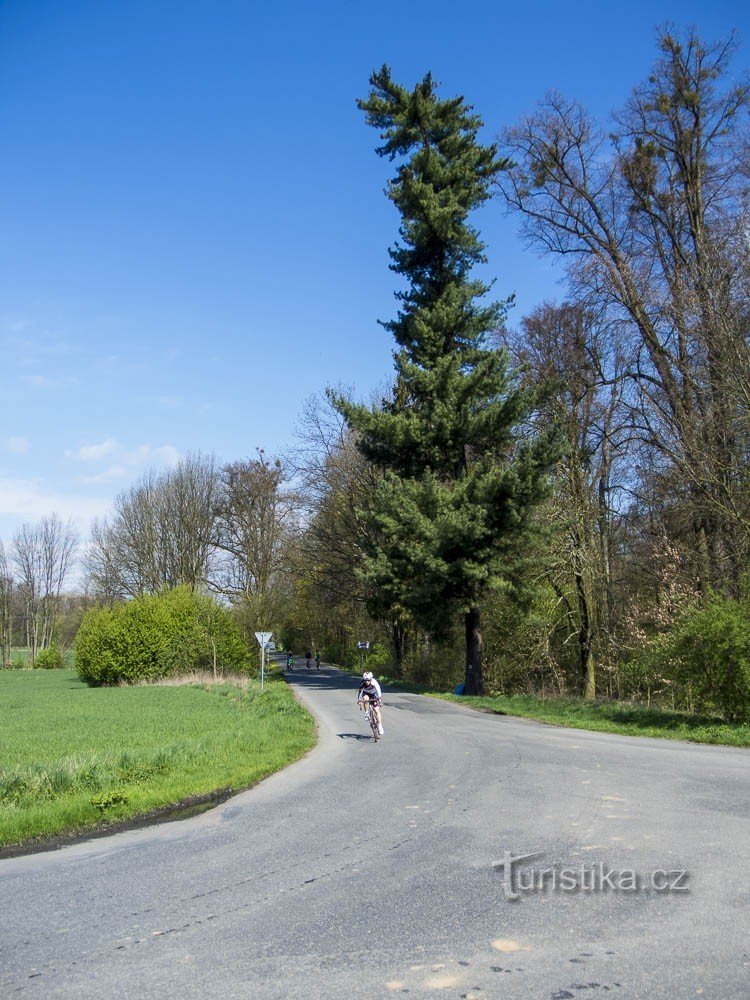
[328, 680]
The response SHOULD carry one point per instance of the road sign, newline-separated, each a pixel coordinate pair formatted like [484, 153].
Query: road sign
[362, 647]
[263, 640]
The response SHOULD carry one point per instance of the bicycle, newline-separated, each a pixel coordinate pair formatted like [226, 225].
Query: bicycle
[372, 718]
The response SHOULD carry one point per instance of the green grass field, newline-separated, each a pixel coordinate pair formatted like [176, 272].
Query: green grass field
[21, 655]
[621, 717]
[73, 757]
[614, 717]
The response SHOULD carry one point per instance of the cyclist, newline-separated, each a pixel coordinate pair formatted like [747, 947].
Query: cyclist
[317, 659]
[289, 659]
[308, 657]
[368, 676]
[370, 697]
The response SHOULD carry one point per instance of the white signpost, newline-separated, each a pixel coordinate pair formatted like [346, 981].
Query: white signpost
[263, 639]
[362, 646]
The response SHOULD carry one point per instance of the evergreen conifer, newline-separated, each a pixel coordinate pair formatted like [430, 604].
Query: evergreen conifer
[460, 481]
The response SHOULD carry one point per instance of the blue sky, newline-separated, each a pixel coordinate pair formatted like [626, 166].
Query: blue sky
[193, 231]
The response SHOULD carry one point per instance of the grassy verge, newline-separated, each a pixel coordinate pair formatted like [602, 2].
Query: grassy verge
[21, 655]
[606, 717]
[73, 758]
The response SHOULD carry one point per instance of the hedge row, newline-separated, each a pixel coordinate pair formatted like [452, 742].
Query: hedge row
[158, 636]
[708, 652]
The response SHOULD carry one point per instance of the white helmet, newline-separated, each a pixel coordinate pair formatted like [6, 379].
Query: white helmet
[367, 675]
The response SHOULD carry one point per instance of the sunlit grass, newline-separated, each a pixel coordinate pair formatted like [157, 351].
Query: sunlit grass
[73, 757]
[614, 717]
[622, 717]
[21, 655]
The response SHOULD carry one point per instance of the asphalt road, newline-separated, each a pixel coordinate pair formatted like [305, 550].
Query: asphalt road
[370, 870]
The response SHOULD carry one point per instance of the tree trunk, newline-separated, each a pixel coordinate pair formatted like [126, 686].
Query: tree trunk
[585, 641]
[588, 673]
[398, 645]
[6, 625]
[473, 683]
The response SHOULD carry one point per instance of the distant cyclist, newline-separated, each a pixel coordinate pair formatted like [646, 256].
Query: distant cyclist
[317, 659]
[289, 659]
[370, 697]
[308, 658]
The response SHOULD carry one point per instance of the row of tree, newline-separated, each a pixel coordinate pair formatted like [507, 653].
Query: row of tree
[450, 497]
[32, 576]
[221, 530]
[550, 496]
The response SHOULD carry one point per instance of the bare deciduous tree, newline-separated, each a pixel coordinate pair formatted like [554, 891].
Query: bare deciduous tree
[42, 554]
[162, 532]
[576, 352]
[651, 221]
[6, 595]
[336, 485]
[257, 516]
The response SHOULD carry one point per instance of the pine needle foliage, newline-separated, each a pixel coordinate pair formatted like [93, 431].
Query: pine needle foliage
[460, 480]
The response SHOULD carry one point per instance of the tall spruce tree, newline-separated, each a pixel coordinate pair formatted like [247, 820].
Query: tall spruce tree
[460, 481]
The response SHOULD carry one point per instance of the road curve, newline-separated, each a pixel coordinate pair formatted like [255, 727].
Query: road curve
[371, 871]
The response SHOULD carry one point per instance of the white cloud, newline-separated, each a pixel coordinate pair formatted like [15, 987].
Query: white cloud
[31, 344]
[17, 445]
[165, 454]
[29, 499]
[37, 381]
[24, 500]
[113, 473]
[145, 454]
[125, 462]
[15, 324]
[94, 452]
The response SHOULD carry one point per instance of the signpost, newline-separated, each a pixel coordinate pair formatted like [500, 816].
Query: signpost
[362, 647]
[263, 639]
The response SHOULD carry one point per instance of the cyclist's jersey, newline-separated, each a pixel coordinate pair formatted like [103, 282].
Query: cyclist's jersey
[372, 690]
[374, 683]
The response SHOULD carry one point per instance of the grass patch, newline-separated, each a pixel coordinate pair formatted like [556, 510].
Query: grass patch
[74, 757]
[20, 656]
[613, 717]
[624, 718]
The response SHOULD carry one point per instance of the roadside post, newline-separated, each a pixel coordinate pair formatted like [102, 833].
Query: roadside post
[263, 639]
[362, 647]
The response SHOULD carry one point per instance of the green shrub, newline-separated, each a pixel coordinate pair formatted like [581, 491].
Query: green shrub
[649, 672]
[49, 659]
[108, 799]
[708, 654]
[522, 649]
[156, 636]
